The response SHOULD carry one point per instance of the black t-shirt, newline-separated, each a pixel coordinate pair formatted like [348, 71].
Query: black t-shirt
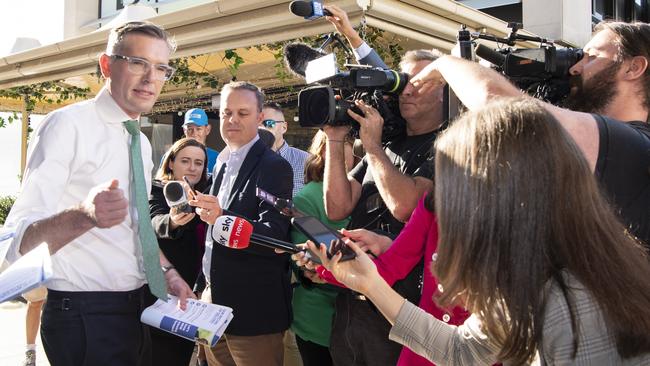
[623, 170]
[412, 155]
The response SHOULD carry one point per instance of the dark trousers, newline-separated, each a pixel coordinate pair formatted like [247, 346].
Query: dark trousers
[360, 334]
[169, 350]
[95, 328]
[313, 354]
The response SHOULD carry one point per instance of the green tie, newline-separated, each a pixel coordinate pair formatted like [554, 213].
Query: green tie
[148, 241]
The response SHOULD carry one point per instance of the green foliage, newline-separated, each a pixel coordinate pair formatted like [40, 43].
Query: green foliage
[10, 119]
[184, 77]
[233, 62]
[50, 92]
[5, 206]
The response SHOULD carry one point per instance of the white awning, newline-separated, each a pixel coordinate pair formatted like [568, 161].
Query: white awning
[229, 24]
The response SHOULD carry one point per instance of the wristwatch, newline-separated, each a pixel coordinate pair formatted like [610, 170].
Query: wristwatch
[166, 269]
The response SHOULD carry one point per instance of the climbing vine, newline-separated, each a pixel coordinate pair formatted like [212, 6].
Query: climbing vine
[50, 92]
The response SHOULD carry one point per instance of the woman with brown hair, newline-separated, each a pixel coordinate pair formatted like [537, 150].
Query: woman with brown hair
[528, 245]
[181, 235]
[313, 303]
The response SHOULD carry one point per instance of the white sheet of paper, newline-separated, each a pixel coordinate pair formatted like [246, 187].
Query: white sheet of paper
[28, 272]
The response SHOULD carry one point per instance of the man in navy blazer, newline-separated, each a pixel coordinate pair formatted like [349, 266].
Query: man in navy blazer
[255, 281]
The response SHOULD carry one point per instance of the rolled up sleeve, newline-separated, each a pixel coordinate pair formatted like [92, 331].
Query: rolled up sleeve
[49, 163]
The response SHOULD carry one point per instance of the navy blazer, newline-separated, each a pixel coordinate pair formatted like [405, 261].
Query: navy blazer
[255, 281]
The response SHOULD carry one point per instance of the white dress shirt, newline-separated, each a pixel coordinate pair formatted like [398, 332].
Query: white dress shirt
[75, 149]
[233, 158]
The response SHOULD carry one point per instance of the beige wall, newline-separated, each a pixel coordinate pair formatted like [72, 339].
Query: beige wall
[565, 21]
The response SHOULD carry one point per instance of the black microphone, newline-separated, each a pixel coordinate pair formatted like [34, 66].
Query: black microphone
[490, 55]
[298, 55]
[176, 197]
[309, 10]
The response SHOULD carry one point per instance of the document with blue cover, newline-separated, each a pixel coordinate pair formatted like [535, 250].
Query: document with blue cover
[201, 321]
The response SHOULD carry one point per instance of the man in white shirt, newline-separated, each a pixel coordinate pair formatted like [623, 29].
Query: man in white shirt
[275, 123]
[88, 172]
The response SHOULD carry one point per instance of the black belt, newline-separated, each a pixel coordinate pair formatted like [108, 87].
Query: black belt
[68, 300]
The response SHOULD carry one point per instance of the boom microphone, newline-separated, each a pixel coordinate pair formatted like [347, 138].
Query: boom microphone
[237, 233]
[175, 196]
[298, 55]
[309, 10]
[488, 54]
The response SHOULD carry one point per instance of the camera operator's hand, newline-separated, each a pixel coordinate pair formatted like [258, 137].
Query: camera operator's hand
[336, 133]
[428, 78]
[372, 125]
[341, 22]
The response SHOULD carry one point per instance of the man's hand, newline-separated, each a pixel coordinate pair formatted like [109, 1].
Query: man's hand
[178, 287]
[336, 133]
[372, 125]
[340, 21]
[368, 240]
[207, 207]
[428, 78]
[106, 205]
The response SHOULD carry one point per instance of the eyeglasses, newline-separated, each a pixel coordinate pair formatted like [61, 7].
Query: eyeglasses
[270, 123]
[140, 66]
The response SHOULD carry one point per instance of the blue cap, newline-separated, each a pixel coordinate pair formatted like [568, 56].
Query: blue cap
[196, 116]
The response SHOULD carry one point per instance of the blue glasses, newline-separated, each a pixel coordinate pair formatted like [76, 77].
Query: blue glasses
[270, 123]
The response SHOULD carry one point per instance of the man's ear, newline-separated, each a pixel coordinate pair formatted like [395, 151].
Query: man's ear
[260, 118]
[285, 127]
[105, 65]
[636, 67]
[208, 128]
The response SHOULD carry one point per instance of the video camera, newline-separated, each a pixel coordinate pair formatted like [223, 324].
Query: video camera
[328, 104]
[332, 93]
[542, 72]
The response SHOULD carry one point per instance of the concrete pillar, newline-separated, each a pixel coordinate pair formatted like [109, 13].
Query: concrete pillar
[567, 22]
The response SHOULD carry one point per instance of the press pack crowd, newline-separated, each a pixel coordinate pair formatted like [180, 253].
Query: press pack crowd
[518, 233]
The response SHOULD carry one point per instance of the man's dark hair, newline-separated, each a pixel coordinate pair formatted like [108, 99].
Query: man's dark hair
[273, 105]
[633, 40]
[117, 35]
[245, 85]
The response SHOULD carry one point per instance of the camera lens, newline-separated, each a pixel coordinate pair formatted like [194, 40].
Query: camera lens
[316, 106]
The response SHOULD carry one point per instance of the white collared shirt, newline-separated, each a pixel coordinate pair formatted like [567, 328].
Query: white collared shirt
[75, 149]
[233, 158]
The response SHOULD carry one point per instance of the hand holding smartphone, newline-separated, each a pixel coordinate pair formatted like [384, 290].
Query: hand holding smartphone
[320, 233]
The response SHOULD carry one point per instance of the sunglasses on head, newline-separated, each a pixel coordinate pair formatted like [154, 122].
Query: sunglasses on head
[270, 123]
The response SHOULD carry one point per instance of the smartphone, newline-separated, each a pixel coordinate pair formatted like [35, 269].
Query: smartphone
[192, 191]
[320, 233]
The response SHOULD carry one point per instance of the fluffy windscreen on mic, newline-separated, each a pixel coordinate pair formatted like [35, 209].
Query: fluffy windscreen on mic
[298, 55]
